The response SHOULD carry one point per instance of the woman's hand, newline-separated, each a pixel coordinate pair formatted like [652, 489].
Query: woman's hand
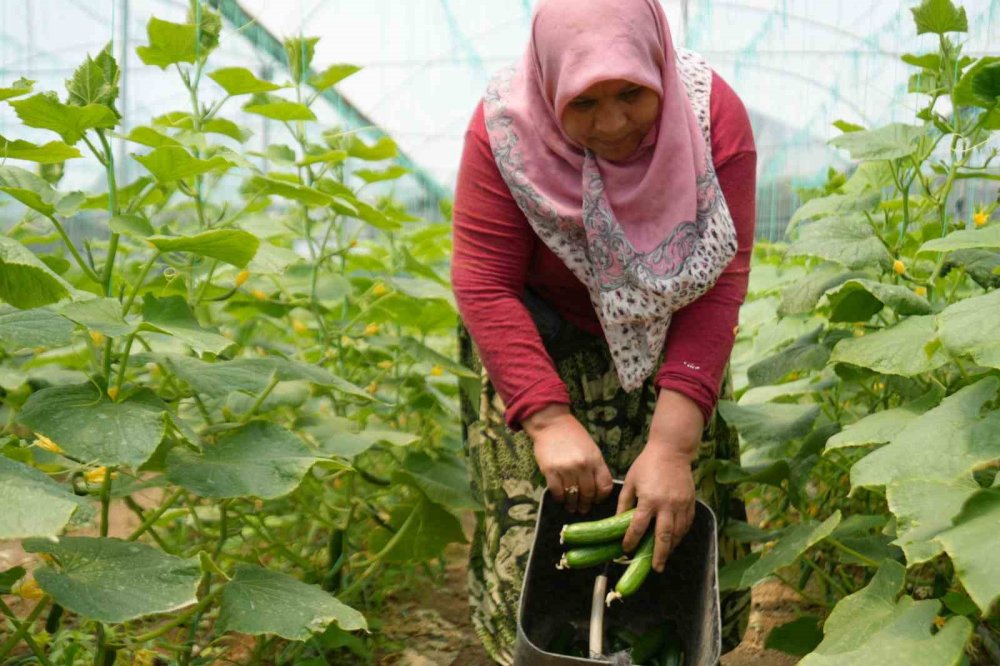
[568, 458]
[661, 479]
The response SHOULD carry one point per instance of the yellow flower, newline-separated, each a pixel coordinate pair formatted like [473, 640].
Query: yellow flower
[920, 291]
[144, 658]
[97, 338]
[372, 388]
[385, 365]
[299, 326]
[858, 332]
[113, 392]
[345, 341]
[380, 289]
[981, 218]
[241, 278]
[354, 243]
[898, 267]
[879, 386]
[939, 622]
[436, 371]
[43, 442]
[259, 295]
[96, 476]
[371, 329]
[27, 588]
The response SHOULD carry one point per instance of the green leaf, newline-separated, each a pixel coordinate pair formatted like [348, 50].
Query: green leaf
[241, 81]
[421, 352]
[135, 226]
[975, 86]
[20, 329]
[947, 442]
[444, 480]
[770, 422]
[149, 136]
[971, 544]
[385, 148]
[846, 240]
[25, 281]
[110, 580]
[259, 459]
[300, 52]
[423, 530]
[771, 475]
[332, 75]
[89, 426]
[923, 509]
[881, 427]
[798, 637]
[103, 315]
[972, 327]
[169, 43]
[20, 87]
[45, 111]
[803, 295]
[899, 350]
[860, 300]
[49, 153]
[833, 205]
[261, 186]
[259, 601]
[223, 126]
[9, 577]
[804, 355]
[891, 142]
[761, 394]
[232, 246]
[983, 266]
[173, 316]
[281, 110]
[170, 163]
[987, 237]
[871, 627]
[931, 61]
[939, 16]
[34, 505]
[986, 82]
[272, 260]
[796, 540]
[95, 81]
[391, 173]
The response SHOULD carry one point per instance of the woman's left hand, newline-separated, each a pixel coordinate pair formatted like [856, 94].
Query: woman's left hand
[661, 479]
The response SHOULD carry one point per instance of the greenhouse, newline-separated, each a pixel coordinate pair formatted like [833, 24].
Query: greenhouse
[445, 332]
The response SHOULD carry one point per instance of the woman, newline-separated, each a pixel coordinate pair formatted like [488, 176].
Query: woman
[603, 225]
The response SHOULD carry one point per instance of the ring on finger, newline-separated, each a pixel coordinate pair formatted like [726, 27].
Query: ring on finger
[572, 490]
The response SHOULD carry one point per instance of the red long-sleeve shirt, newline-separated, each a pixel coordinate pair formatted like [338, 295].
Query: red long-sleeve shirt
[497, 253]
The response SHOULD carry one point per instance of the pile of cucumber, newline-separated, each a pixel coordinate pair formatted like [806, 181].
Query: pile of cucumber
[600, 541]
[660, 646]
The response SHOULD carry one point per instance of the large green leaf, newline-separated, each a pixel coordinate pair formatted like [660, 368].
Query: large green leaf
[769, 422]
[885, 143]
[336, 437]
[798, 637]
[965, 239]
[977, 87]
[899, 350]
[332, 75]
[793, 542]
[25, 281]
[833, 205]
[845, 240]
[421, 352]
[172, 315]
[272, 259]
[881, 427]
[259, 601]
[972, 327]
[444, 480]
[947, 442]
[860, 300]
[241, 81]
[385, 148]
[90, 427]
[33, 504]
[259, 459]
[940, 16]
[923, 508]
[95, 81]
[103, 315]
[232, 246]
[971, 544]
[761, 394]
[803, 355]
[154, 138]
[21, 329]
[49, 153]
[45, 111]
[390, 173]
[169, 43]
[423, 530]
[872, 627]
[20, 87]
[803, 295]
[300, 52]
[169, 163]
[262, 186]
[111, 580]
[281, 110]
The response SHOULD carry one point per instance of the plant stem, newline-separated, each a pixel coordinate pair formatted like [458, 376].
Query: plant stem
[72, 249]
[123, 364]
[109, 263]
[138, 283]
[149, 520]
[260, 400]
[180, 619]
[21, 630]
[853, 553]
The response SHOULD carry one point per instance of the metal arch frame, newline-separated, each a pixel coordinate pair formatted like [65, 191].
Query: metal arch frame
[263, 39]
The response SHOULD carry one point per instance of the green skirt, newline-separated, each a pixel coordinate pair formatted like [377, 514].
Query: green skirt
[506, 478]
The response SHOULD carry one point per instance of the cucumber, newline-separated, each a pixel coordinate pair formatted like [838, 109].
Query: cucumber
[648, 645]
[637, 570]
[597, 531]
[590, 556]
[672, 653]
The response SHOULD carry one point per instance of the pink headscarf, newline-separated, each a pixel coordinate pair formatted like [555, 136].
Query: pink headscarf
[646, 235]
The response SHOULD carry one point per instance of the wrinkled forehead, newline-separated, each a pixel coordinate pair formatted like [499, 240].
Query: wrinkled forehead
[578, 43]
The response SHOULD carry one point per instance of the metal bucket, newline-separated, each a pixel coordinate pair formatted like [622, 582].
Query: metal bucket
[686, 593]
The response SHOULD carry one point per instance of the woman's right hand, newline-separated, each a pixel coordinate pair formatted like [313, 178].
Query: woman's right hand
[568, 457]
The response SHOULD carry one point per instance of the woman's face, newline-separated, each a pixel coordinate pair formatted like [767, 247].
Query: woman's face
[611, 117]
